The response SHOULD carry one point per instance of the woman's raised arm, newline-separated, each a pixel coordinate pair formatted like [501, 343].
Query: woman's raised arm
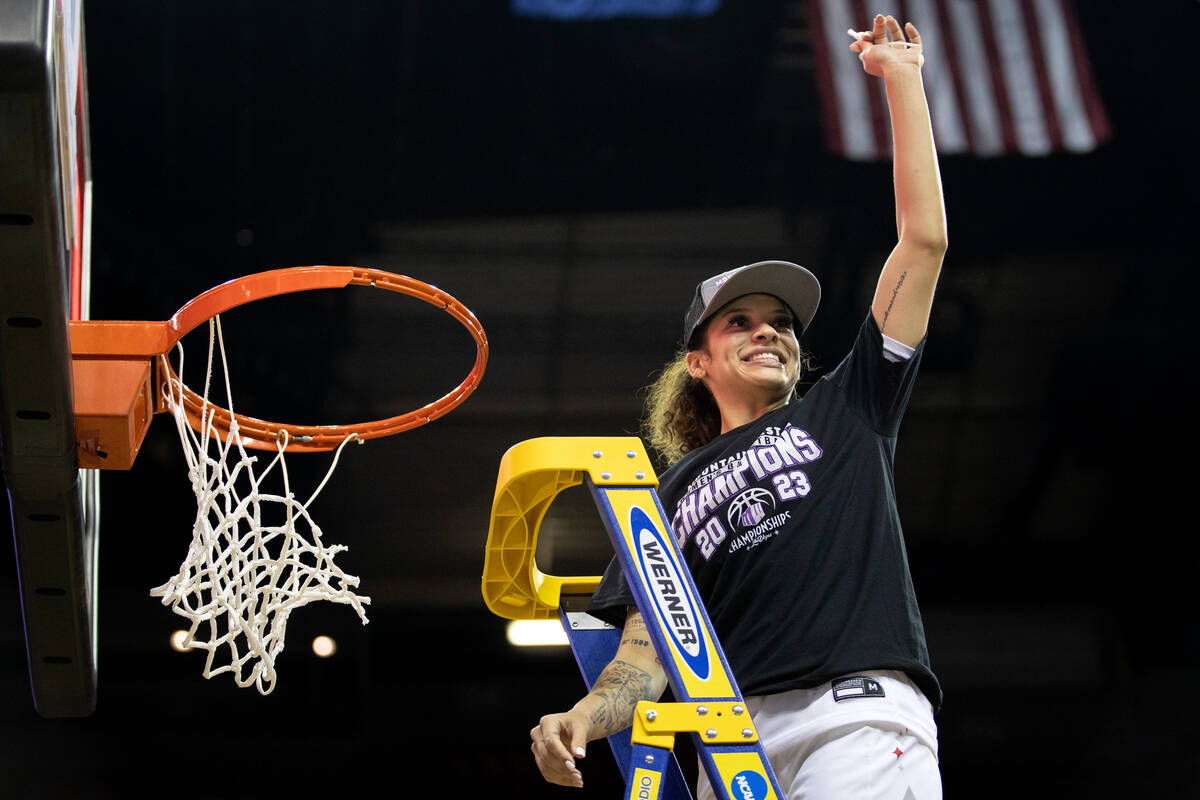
[906, 286]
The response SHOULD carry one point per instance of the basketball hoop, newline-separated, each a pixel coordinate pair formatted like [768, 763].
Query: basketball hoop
[255, 555]
[96, 345]
[263, 435]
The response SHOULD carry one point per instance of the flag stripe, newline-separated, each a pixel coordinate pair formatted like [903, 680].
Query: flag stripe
[981, 100]
[1064, 86]
[824, 61]
[955, 74]
[1038, 58]
[945, 108]
[1097, 118]
[851, 90]
[1029, 125]
[876, 101]
[988, 33]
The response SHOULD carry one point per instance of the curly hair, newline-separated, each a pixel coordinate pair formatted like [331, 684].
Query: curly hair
[681, 413]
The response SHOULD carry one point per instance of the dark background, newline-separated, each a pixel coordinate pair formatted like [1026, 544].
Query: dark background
[570, 183]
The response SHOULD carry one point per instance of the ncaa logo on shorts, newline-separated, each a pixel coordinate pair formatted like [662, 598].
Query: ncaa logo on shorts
[669, 592]
[748, 785]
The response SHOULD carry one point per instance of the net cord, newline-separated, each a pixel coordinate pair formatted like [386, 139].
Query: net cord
[262, 589]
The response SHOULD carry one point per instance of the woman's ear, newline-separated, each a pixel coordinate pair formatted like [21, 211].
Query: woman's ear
[696, 360]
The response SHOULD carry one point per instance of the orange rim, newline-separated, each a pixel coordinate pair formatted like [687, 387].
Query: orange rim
[263, 435]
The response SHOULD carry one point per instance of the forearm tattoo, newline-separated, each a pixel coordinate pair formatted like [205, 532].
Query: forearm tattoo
[892, 302]
[619, 688]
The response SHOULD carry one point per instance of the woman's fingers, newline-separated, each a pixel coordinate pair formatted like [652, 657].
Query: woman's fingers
[553, 760]
[894, 29]
[886, 30]
[879, 31]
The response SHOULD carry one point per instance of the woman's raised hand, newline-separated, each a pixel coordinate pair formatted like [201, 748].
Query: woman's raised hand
[887, 45]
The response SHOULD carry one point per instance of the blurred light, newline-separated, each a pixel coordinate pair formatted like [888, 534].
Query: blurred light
[324, 646]
[608, 9]
[536, 633]
[177, 642]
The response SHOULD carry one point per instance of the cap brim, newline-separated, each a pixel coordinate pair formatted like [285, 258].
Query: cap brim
[791, 283]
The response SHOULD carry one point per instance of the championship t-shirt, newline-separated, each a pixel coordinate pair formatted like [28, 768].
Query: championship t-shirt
[790, 529]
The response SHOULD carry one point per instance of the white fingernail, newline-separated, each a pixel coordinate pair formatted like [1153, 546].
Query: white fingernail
[579, 752]
[570, 764]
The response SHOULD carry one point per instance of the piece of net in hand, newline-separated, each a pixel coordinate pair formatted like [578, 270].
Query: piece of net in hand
[255, 556]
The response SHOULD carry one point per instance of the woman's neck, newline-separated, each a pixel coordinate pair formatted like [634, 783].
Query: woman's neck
[736, 413]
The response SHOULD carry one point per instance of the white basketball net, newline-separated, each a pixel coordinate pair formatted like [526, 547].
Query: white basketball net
[254, 556]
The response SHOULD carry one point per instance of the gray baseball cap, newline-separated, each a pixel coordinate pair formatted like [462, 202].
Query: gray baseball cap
[791, 283]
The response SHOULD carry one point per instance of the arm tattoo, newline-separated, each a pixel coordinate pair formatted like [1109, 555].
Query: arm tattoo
[892, 302]
[619, 687]
[636, 633]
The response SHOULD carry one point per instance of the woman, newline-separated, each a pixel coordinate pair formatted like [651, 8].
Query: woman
[785, 508]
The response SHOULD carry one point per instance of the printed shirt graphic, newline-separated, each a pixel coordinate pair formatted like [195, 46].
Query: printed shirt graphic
[724, 506]
[790, 529]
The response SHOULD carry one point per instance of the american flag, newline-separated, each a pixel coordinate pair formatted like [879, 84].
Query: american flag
[1001, 77]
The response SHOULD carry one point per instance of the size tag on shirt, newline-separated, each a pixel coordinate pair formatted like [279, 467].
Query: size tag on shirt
[858, 686]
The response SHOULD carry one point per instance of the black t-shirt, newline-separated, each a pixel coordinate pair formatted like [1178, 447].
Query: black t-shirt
[790, 528]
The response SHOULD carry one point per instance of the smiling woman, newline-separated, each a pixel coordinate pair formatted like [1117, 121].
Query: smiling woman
[784, 506]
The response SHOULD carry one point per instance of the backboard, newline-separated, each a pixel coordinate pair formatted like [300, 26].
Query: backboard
[45, 200]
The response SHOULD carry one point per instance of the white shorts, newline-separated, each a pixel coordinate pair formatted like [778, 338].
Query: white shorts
[867, 735]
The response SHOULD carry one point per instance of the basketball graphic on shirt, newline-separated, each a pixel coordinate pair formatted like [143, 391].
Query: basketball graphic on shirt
[750, 508]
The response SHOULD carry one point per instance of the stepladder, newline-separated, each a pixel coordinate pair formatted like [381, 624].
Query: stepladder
[707, 704]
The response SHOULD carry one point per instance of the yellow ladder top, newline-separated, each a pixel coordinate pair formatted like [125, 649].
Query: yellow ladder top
[532, 474]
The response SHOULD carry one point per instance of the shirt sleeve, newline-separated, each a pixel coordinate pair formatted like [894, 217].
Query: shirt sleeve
[877, 387]
[613, 596]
